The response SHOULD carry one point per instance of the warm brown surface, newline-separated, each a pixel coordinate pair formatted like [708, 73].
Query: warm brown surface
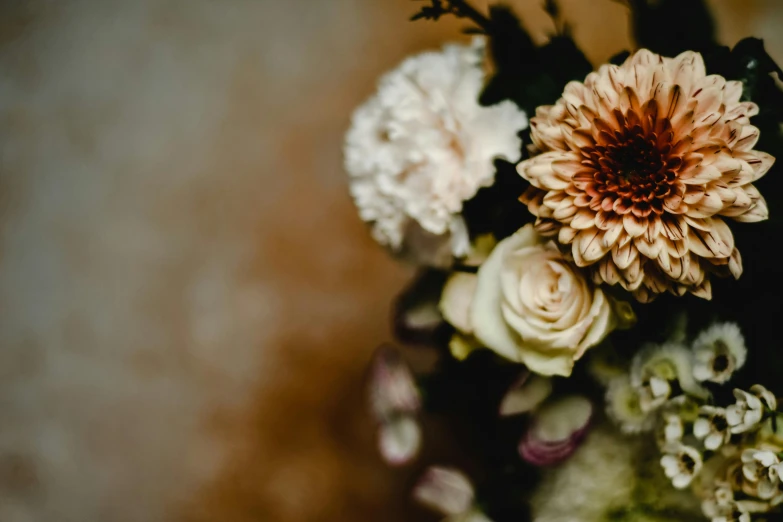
[187, 297]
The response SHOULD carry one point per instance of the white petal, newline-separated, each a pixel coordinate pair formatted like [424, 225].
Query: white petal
[399, 440]
[445, 490]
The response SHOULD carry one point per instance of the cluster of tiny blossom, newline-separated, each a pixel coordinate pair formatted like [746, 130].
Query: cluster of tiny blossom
[728, 454]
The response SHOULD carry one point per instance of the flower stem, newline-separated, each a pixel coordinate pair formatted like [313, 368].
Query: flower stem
[463, 9]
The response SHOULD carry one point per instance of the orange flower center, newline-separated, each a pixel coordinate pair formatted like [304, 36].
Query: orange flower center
[632, 168]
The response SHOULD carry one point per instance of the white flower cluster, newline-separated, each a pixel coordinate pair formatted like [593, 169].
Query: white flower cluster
[729, 455]
[423, 145]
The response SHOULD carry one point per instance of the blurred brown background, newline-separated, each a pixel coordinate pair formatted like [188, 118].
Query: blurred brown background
[187, 297]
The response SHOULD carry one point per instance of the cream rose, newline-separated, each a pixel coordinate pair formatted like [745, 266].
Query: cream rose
[531, 306]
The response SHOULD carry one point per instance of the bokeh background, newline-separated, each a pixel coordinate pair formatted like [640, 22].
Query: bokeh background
[187, 297]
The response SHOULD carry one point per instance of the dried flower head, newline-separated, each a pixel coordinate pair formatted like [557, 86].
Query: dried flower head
[718, 352]
[422, 146]
[639, 166]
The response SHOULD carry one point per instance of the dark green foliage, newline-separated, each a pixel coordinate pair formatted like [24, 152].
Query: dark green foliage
[669, 27]
[497, 208]
[420, 299]
[469, 393]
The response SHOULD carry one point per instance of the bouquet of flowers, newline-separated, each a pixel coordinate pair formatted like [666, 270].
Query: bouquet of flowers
[598, 271]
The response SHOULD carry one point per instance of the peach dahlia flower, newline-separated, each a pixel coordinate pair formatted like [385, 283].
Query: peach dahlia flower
[637, 168]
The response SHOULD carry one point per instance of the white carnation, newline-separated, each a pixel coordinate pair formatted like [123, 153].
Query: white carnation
[422, 146]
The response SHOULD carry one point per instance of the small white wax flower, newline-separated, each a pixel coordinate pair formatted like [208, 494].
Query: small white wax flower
[681, 465]
[760, 470]
[712, 427]
[655, 367]
[718, 352]
[422, 146]
[748, 411]
[673, 429]
[719, 502]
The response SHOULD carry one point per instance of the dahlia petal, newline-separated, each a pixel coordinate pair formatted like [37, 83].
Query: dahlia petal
[683, 122]
[582, 200]
[547, 227]
[715, 242]
[649, 249]
[690, 163]
[726, 194]
[612, 234]
[746, 139]
[702, 174]
[606, 220]
[624, 256]
[682, 146]
[671, 100]
[735, 264]
[761, 163]
[674, 267]
[709, 205]
[644, 57]
[654, 228]
[700, 224]
[674, 228]
[608, 272]
[687, 67]
[710, 98]
[533, 198]
[704, 290]
[601, 126]
[694, 194]
[568, 211]
[580, 139]
[727, 165]
[694, 274]
[677, 248]
[732, 92]
[591, 246]
[576, 93]
[634, 275]
[673, 204]
[566, 235]
[583, 220]
[633, 225]
[757, 212]
[538, 171]
[741, 113]
[629, 102]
